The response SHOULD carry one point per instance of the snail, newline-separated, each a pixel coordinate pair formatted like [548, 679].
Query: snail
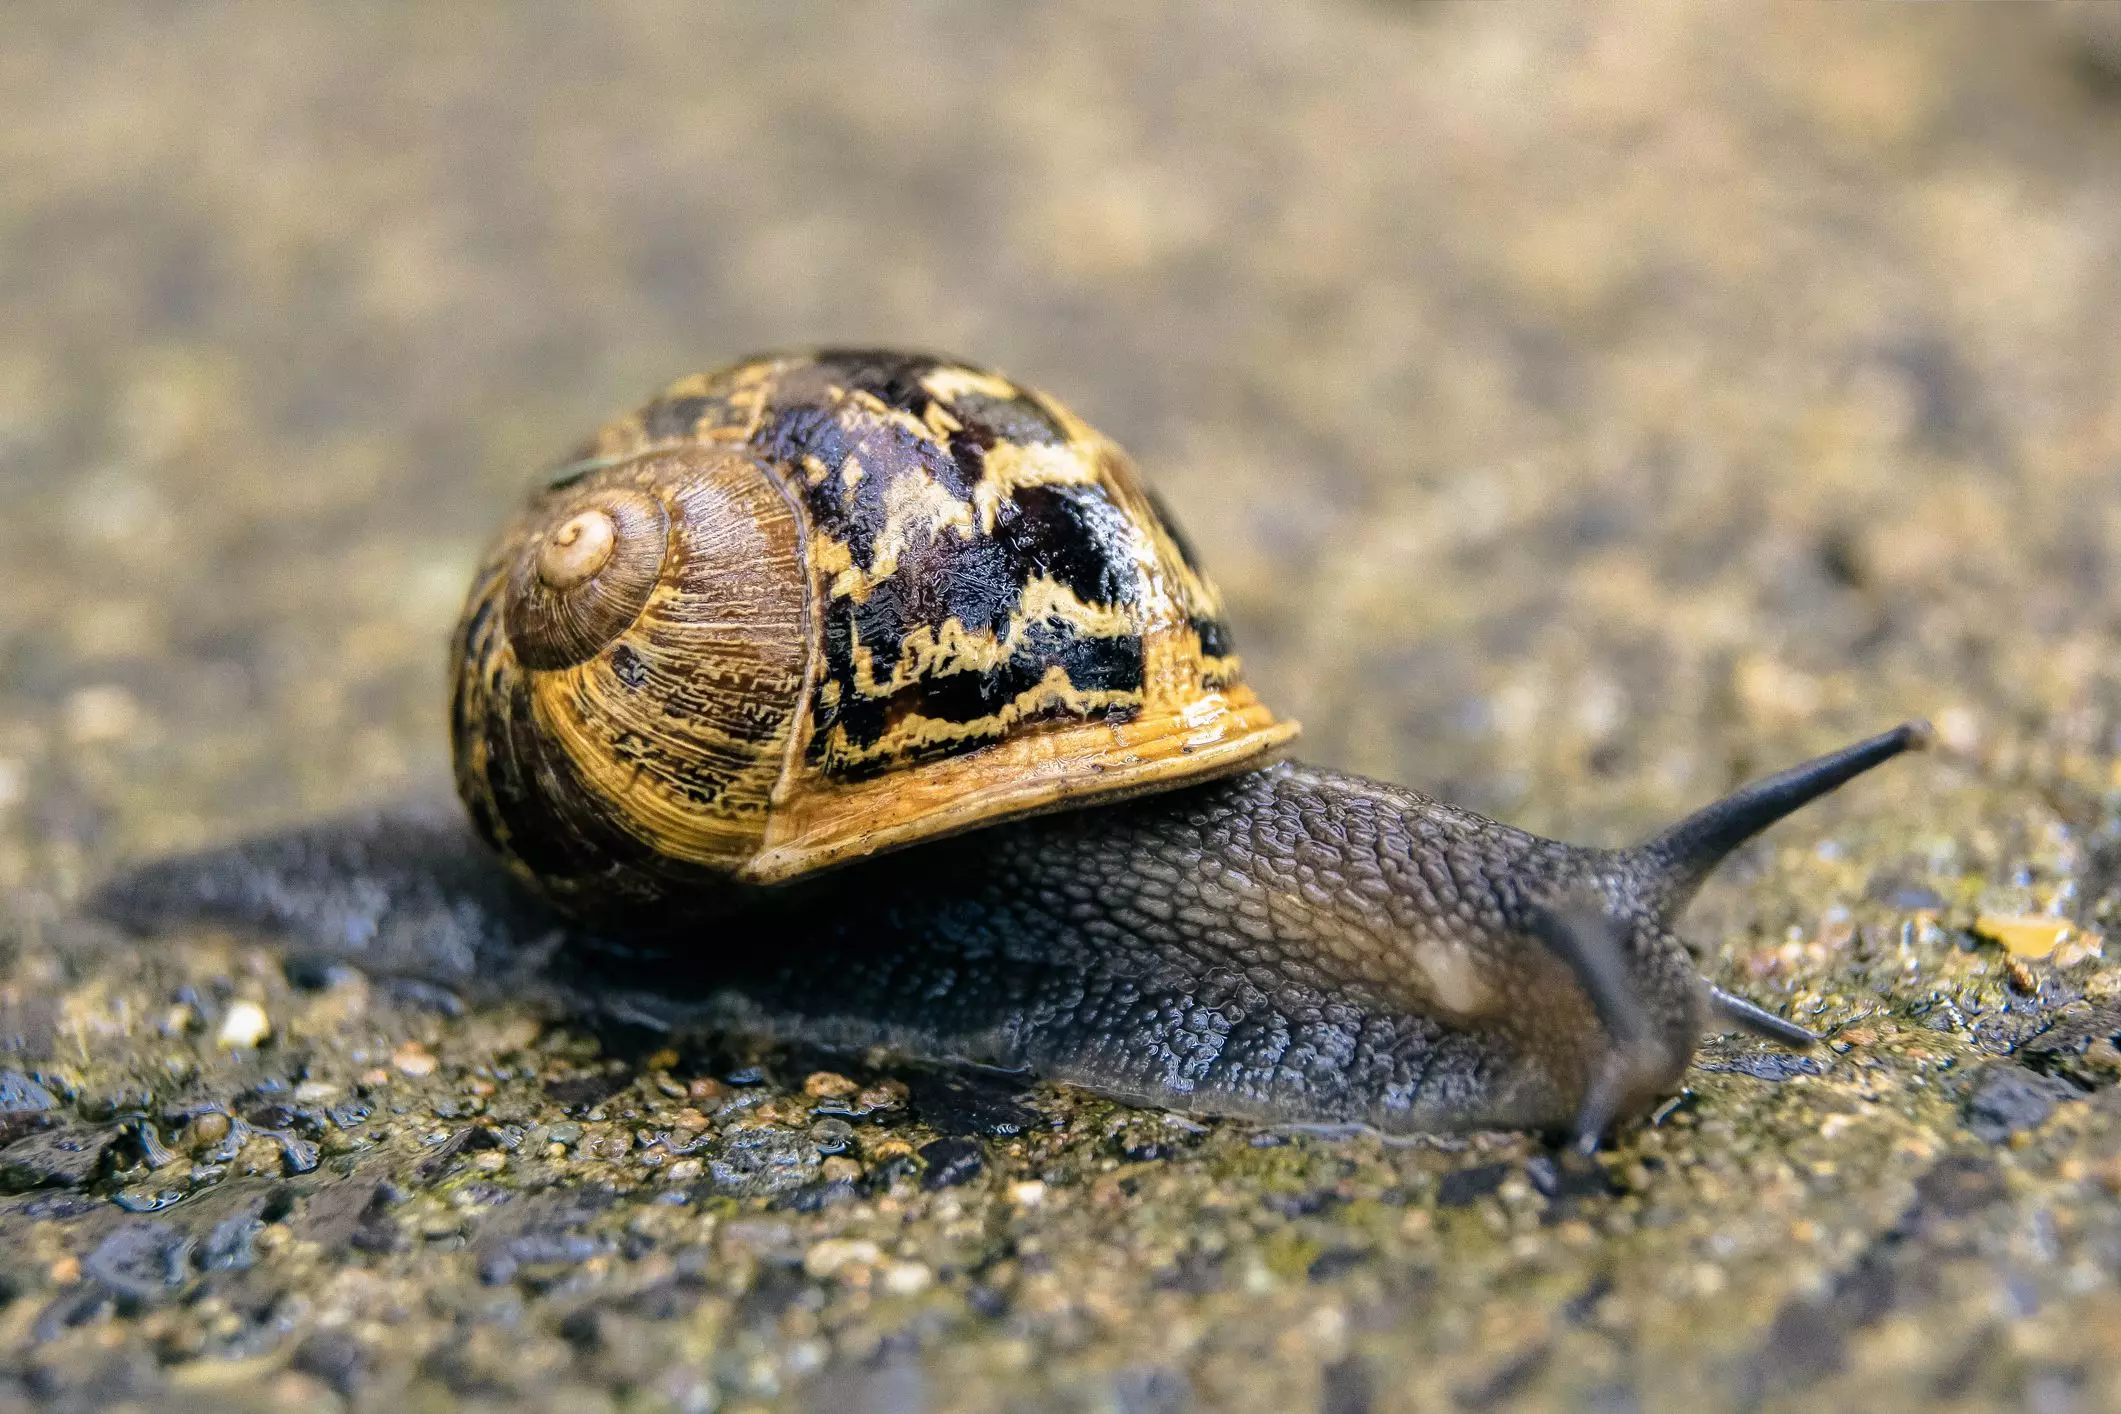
[872, 698]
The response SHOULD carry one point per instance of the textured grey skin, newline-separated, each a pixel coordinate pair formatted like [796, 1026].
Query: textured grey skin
[1291, 945]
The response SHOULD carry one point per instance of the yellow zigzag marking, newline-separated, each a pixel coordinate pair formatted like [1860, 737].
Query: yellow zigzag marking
[927, 653]
[913, 502]
[864, 404]
[949, 384]
[1013, 466]
[915, 732]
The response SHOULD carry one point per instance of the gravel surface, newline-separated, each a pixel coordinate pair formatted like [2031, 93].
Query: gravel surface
[1582, 408]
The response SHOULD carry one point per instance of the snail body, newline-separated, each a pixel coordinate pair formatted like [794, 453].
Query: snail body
[876, 692]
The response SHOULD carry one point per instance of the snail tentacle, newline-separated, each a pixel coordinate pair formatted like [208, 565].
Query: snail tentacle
[1593, 942]
[1677, 861]
[1758, 1020]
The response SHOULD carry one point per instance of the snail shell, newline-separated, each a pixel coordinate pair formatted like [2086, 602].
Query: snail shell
[813, 607]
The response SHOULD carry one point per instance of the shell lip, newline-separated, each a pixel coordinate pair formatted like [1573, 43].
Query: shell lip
[823, 825]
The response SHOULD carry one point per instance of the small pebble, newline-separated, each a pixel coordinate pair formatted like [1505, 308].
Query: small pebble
[99, 715]
[209, 1128]
[1959, 730]
[884, 1095]
[836, 1254]
[1027, 1193]
[414, 1059]
[828, 1085]
[244, 1026]
[950, 1162]
[907, 1278]
[259, 1157]
[2024, 935]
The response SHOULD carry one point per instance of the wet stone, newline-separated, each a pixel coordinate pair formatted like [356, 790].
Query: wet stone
[147, 1198]
[1151, 1389]
[1897, 891]
[417, 995]
[350, 1114]
[762, 1162]
[2004, 1098]
[1327, 1266]
[1958, 1186]
[1195, 1273]
[1467, 1185]
[950, 1162]
[68, 1157]
[229, 1246]
[334, 1357]
[1307, 1204]
[1505, 1382]
[21, 1095]
[1762, 1065]
[51, 1204]
[141, 1261]
[583, 1093]
[2078, 1046]
[815, 1197]
[538, 1256]
[1807, 1342]
[1569, 1175]
[970, 1104]
[1347, 1387]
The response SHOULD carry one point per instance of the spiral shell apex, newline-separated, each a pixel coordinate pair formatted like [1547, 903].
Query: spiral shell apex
[814, 607]
[585, 575]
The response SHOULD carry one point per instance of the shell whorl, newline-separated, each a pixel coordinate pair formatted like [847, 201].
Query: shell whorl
[585, 574]
[628, 731]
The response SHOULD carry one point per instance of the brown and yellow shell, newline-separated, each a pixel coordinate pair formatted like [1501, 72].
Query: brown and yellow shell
[812, 607]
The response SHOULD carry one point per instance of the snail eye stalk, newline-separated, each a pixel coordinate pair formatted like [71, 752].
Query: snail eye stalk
[1759, 1021]
[1676, 862]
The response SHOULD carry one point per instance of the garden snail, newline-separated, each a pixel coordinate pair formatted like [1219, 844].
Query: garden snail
[875, 691]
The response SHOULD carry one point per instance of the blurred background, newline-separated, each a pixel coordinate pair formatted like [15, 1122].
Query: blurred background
[1579, 405]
